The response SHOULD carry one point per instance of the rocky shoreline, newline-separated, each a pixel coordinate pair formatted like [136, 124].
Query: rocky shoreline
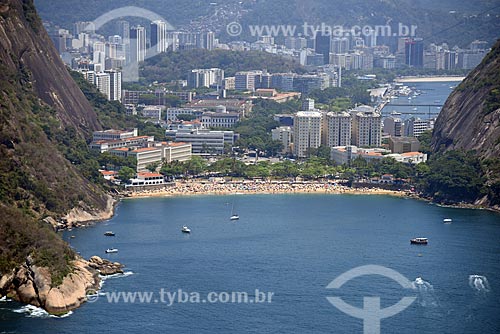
[32, 285]
[79, 217]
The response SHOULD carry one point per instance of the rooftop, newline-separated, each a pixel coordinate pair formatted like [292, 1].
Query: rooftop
[411, 154]
[145, 174]
[145, 149]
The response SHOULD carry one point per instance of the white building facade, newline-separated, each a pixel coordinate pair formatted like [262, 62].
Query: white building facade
[306, 132]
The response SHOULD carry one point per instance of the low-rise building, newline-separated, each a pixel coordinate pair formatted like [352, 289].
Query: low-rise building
[153, 112]
[219, 119]
[409, 157]
[272, 94]
[177, 151]
[112, 134]
[106, 145]
[345, 154]
[172, 113]
[232, 105]
[205, 141]
[146, 156]
[403, 144]
[147, 179]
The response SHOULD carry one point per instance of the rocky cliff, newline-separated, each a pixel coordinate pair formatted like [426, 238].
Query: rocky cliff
[45, 122]
[33, 285]
[470, 118]
[470, 122]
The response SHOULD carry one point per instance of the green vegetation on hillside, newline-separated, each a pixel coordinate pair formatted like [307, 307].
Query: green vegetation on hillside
[22, 237]
[255, 131]
[176, 65]
[453, 176]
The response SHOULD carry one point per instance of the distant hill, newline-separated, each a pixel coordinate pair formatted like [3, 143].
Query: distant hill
[176, 65]
[451, 21]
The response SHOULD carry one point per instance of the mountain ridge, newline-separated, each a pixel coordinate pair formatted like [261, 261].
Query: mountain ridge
[45, 122]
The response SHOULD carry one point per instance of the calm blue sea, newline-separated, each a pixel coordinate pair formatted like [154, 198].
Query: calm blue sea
[292, 246]
[433, 93]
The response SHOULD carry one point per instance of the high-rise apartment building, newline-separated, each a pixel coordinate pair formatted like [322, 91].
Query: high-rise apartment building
[159, 41]
[322, 46]
[137, 44]
[338, 129]
[414, 52]
[366, 127]
[102, 83]
[115, 85]
[306, 132]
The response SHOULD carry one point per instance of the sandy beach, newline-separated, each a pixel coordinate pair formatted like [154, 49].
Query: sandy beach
[430, 79]
[189, 188]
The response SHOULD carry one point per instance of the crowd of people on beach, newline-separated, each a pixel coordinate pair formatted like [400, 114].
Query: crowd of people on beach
[252, 187]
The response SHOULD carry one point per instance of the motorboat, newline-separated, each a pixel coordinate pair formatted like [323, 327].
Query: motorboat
[109, 233]
[447, 220]
[185, 229]
[419, 241]
[111, 250]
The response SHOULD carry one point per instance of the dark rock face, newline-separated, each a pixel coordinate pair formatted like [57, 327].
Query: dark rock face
[44, 122]
[42, 113]
[470, 119]
[26, 48]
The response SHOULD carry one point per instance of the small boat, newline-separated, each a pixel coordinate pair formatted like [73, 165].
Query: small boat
[72, 237]
[419, 241]
[185, 229]
[111, 250]
[447, 220]
[109, 233]
[234, 216]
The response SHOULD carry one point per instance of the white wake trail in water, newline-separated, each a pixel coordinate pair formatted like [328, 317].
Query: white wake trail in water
[425, 293]
[479, 283]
